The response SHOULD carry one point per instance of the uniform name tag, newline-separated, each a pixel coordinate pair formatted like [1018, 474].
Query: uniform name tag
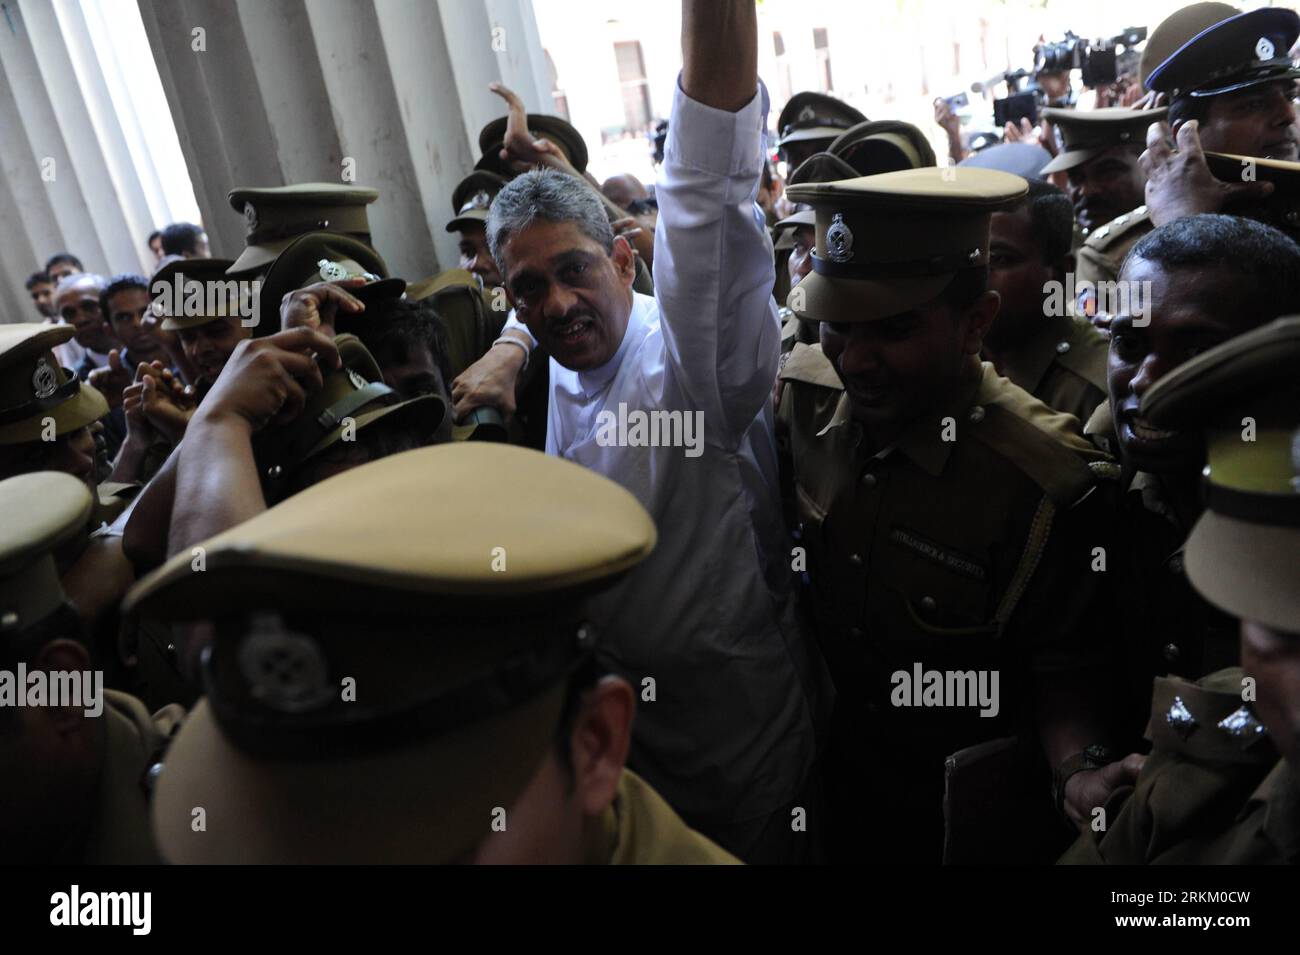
[939, 554]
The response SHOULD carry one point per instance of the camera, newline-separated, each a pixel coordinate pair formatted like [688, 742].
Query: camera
[1097, 60]
[1019, 103]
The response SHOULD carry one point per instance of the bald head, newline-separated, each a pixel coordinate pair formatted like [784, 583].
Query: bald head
[624, 189]
[76, 301]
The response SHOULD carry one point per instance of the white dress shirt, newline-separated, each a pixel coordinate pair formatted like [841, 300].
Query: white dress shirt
[729, 734]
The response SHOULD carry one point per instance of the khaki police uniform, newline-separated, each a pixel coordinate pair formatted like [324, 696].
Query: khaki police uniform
[40, 513]
[1214, 790]
[1082, 136]
[1104, 251]
[959, 554]
[474, 628]
[1063, 365]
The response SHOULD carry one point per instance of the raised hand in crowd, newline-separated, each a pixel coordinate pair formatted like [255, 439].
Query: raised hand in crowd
[317, 306]
[1179, 182]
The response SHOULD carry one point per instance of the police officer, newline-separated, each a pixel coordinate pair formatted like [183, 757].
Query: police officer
[1222, 782]
[809, 122]
[76, 771]
[1099, 152]
[921, 483]
[1229, 84]
[407, 682]
[470, 201]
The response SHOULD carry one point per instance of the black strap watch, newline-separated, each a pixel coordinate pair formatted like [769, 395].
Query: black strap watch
[1094, 757]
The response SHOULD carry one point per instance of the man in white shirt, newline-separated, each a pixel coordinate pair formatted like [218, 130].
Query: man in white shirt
[670, 397]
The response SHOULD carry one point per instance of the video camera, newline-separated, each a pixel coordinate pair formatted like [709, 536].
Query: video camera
[1018, 103]
[1097, 60]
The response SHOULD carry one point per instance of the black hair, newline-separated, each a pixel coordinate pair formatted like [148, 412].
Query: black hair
[967, 285]
[1051, 217]
[155, 234]
[391, 328]
[39, 277]
[120, 283]
[1182, 109]
[59, 258]
[1266, 259]
[181, 238]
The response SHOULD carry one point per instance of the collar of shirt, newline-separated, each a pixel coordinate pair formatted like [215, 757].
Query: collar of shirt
[1029, 361]
[595, 380]
[922, 440]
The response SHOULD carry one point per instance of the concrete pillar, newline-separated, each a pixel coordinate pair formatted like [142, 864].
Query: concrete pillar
[53, 211]
[91, 123]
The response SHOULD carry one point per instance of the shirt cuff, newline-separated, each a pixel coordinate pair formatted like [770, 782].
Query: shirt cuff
[715, 140]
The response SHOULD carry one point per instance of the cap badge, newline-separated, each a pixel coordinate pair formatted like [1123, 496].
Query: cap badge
[44, 381]
[839, 240]
[250, 217]
[332, 271]
[1264, 48]
[358, 382]
[807, 115]
[480, 200]
[285, 671]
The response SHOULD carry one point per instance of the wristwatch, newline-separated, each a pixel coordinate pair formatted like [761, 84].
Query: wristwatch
[1094, 757]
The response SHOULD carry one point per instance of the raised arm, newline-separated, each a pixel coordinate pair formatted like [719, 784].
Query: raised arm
[719, 52]
[713, 257]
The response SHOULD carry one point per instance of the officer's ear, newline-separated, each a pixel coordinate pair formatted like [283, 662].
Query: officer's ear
[602, 734]
[66, 726]
[624, 260]
[978, 319]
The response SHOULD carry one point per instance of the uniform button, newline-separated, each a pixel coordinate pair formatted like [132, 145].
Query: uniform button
[1293, 217]
[869, 480]
[928, 605]
[855, 560]
[171, 650]
[977, 414]
[1062, 347]
[1172, 653]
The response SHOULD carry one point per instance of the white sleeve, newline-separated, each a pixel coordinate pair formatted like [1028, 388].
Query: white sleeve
[713, 269]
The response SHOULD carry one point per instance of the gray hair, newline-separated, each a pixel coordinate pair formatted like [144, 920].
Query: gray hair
[549, 195]
[78, 278]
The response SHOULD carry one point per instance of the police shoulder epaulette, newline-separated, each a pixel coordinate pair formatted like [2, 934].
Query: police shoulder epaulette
[1041, 443]
[1112, 232]
[1084, 351]
[807, 364]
